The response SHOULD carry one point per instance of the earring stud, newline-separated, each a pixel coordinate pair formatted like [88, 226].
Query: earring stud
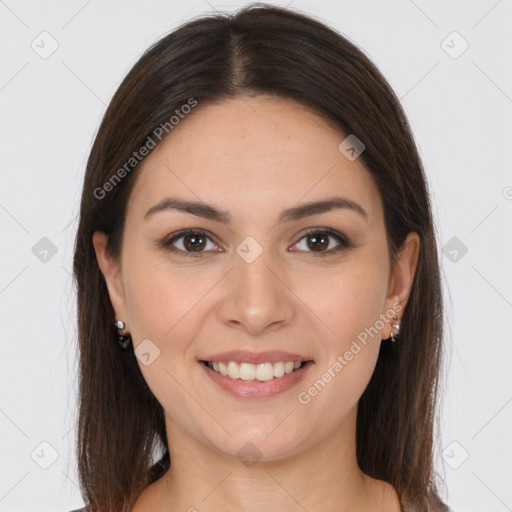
[396, 325]
[122, 339]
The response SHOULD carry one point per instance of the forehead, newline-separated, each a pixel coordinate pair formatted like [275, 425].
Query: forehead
[250, 154]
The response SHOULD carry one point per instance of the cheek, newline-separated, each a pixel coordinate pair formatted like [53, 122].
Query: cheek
[348, 300]
[351, 309]
[167, 306]
[160, 301]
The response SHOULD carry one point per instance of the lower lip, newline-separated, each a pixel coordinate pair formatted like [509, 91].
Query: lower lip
[255, 388]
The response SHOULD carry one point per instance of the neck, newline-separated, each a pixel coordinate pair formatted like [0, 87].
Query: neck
[323, 477]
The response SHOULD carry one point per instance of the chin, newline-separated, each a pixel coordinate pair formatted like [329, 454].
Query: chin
[263, 443]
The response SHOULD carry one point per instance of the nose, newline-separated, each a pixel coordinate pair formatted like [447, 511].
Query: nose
[256, 297]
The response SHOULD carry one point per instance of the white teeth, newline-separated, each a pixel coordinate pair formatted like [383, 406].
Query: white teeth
[264, 371]
[249, 371]
[279, 369]
[233, 370]
[223, 369]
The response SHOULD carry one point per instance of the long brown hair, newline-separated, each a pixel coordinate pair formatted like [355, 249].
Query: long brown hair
[257, 50]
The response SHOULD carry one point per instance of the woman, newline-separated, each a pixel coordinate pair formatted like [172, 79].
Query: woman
[259, 300]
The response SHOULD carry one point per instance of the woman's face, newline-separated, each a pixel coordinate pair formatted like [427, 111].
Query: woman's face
[256, 283]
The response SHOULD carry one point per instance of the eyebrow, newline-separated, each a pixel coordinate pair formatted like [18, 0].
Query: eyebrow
[211, 212]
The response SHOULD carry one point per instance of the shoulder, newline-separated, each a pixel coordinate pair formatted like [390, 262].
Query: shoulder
[384, 494]
[435, 504]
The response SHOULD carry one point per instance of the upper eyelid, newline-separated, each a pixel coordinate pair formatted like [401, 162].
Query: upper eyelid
[181, 233]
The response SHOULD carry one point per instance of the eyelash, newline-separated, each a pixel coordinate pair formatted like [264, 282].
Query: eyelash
[345, 243]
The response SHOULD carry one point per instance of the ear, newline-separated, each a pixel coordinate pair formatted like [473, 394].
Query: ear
[402, 277]
[112, 274]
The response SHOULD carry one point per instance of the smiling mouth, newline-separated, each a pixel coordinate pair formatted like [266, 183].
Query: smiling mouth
[261, 372]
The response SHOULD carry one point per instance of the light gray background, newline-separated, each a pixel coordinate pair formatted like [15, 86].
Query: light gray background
[460, 110]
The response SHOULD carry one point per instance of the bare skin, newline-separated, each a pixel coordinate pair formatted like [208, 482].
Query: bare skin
[254, 158]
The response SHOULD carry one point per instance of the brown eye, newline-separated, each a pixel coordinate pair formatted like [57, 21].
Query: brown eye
[189, 242]
[194, 242]
[319, 242]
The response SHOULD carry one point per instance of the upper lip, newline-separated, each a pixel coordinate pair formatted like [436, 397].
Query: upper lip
[247, 356]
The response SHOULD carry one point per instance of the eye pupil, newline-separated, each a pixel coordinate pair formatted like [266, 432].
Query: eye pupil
[315, 239]
[194, 246]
